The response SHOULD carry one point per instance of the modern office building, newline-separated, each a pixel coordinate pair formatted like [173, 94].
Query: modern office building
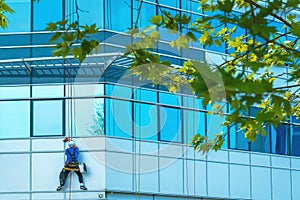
[133, 136]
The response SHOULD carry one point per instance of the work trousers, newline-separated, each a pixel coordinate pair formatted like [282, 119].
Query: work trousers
[64, 174]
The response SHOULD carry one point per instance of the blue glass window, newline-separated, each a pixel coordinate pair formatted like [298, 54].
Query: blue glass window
[20, 19]
[118, 118]
[146, 124]
[193, 123]
[15, 119]
[262, 143]
[169, 98]
[118, 91]
[118, 15]
[47, 118]
[45, 12]
[170, 124]
[145, 95]
[144, 15]
[280, 139]
[295, 138]
[237, 139]
[91, 12]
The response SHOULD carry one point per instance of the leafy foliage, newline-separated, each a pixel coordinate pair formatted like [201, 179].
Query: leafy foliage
[73, 39]
[246, 77]
[4, 9]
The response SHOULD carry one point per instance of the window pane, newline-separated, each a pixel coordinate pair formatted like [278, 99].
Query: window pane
[45, 12]
[118, 118]
[295, 148]
[20, 19]
[15, 119]
[118, 15]
[145, 95]
[145, 118]
[118, 91]
[145, 13]
[92, 12]
[169, 98]
[92, 123]
[262, 143]
[237, 139]
[193, 123]
[170, 124]
[280, 139]
[47, 118]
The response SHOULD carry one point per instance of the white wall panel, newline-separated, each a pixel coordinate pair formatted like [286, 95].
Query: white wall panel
[14, 196]
[47, 144]
[120, 145]
[261, 183]
[14, 145]
[45, 170]
[14, 173]
[194, 178]
[48, 196]
[146, 174]
[217, 180]
[119, 168]
[240, 181]
[220, 155]
[90, 143]
[280, 161]
[239, 157]
[150, 148]
[170, 150]
[260, 159]
[295, 163]
[94, 179]
[171, 175]
[281, 184]
[296, 185]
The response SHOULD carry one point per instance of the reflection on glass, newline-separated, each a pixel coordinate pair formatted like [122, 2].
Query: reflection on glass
[118, 91]
[169, 98]
[45, 12]
[145, 95]
[47, 118]
[92, 12]
[145, 121]
[118, 15]
[237, 139]
[295, 148]
[170, 124]
[261, 143]
[15, 119]
[97, 125]
[118, 118]
[20, 19]
[280, 139]
[193, 123]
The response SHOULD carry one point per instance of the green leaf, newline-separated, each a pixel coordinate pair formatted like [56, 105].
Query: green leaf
[296, 29]
[156, 20]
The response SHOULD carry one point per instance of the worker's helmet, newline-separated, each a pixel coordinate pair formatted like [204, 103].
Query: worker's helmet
[71, 143]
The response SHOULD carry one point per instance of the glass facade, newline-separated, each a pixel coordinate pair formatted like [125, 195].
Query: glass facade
[127, 130]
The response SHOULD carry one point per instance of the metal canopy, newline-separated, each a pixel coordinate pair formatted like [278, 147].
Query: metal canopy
[93, 65]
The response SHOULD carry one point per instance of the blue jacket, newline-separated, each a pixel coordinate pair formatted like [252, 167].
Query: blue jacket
[71, 149]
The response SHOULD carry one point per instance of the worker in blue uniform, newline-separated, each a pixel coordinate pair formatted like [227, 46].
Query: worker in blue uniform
[71, 164]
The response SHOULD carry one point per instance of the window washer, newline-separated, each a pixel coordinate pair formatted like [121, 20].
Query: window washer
[71, 164]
